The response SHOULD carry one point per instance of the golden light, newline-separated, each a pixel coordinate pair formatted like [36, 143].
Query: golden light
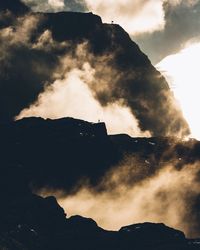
[182, 70]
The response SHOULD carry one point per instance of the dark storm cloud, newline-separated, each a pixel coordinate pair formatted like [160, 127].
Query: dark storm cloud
[182, 24]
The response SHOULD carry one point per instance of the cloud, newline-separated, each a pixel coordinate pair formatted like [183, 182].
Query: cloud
[105, 89]
[160, 27]
[123, 76]
[71, 96]
[134, 16]
[55, 5]
[21, 82]
[182, 19]
[182, 72]
[168, 196]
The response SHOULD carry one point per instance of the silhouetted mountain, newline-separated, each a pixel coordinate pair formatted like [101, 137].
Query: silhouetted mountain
[62, 153]
[15, 6]
[124, 72]
[34, 223]
[65, 153]
[58, 154]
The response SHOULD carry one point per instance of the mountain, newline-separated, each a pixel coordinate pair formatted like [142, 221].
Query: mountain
[60, 153]
[47, 46]
[38, 49]
[57, 155]
[32, 222]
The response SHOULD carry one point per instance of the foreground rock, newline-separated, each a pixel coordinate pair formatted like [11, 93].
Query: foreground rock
[37, 153]
[61, 153]
[34, 223]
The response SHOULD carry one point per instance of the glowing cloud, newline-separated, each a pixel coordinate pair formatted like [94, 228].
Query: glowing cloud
[45, 5]
[135, 16]
[57, 3]
[162, 198]
[182, 72]
[72, 97]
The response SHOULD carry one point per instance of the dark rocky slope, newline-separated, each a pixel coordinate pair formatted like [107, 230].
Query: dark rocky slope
[31, 222]
[57, 154]
[131, 78]
[61, 153]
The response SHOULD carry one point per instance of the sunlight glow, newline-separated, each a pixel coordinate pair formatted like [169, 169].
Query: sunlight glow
[182, 71]
[134, 16]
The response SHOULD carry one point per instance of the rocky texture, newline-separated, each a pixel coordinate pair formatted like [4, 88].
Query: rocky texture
[34, 223]
[62, 153]
[57, 154]
[123, 74]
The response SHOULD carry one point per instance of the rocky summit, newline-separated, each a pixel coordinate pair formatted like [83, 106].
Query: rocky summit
[122, 72]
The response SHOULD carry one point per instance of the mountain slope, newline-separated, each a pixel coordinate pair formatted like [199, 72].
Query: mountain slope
[123, 75]
[31, 222]
[60, 153]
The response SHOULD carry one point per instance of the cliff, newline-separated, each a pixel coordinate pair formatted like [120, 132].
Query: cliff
[34, 223]
[60, 153]
[123, 73]
[57, 154]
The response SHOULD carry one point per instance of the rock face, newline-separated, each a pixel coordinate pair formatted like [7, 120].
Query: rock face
[122, 72]
[33, 151]
[60, 153]
[32, 222]
[153, 233]
[36, 153]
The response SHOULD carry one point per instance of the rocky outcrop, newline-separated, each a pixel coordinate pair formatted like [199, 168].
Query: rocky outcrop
[55, 152]
[61, 153]
[37, 150]
[34, 223]
[153, 233]
[123, 73]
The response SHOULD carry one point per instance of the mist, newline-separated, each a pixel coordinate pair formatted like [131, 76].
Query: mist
[98, 73]
[72, 96]
[169, 196]
[122, 82]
